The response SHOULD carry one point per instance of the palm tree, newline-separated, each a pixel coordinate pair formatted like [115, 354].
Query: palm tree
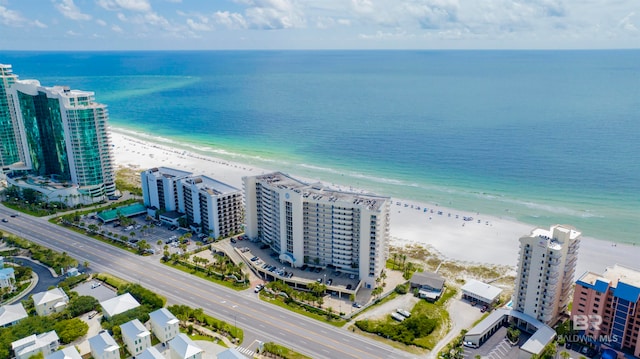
[565, 355]
[395, 258]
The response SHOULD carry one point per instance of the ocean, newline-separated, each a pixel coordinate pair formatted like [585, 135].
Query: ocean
[543, 137]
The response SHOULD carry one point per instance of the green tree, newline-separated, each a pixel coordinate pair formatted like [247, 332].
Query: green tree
[70, 329]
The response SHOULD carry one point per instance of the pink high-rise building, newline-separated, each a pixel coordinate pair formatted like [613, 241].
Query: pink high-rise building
[605, 308]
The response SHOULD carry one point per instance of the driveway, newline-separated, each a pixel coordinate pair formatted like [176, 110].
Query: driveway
[45, 278]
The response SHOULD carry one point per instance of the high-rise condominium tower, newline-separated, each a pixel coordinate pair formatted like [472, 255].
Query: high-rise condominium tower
[55, 132]
[545, 272]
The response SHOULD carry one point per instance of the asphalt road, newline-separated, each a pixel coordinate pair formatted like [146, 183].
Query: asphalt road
[259, 320]
[45, 278]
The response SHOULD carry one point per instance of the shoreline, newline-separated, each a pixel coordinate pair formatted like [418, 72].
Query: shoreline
[492, 240]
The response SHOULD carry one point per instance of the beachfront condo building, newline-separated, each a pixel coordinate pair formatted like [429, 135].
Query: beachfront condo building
[606, 308]
[57, 134]
[318, 226]
[213, 207]
[545, 272]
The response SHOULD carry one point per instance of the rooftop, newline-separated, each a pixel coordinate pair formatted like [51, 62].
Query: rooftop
[119, 304]
[481, 289]
[322, 193]
[103, 342]
[211, 186]
[184, 346]
[150, 353]
[168, 172]
[65, 353]
[11, 313]
[163, 316]
[55, 294]
[134, 329]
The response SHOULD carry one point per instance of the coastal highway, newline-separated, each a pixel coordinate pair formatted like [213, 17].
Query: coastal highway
[259, 320]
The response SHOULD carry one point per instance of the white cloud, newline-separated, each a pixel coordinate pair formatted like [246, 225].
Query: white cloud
[132, 5]
[273, 14]
[72, 33]
[627, 24]
[10, 17]
[101, 22]
[231, 20]
[198, 26]
[116, 28]
[40, 24]
[69, 10]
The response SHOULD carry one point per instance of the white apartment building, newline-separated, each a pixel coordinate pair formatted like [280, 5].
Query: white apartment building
[135, 336]
[103, 346]
[164, 325]
[545, 272]
[45, 343]
[160, 187]
[319, 226]
[51, 301]
[210, 205]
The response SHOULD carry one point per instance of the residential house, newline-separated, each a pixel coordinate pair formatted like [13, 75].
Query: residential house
[429, 285]
[164, 324]
[45, 343]
[231, 353]
[181, 347]
[103, 346]
[135, 336]
[65, 353]
[150, 353]
[51, 301]
[10, 314]
[119, 304]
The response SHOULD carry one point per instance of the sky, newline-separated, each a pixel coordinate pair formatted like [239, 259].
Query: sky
[104, 25]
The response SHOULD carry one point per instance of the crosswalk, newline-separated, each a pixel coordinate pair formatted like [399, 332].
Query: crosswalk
[248, 352]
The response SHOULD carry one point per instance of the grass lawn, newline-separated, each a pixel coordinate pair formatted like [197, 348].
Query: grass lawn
[205, 276]
[300, 310]
[283, 352]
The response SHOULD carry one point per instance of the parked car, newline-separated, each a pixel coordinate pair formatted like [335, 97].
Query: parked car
[233, 240]
[258, 288]
[357, 305]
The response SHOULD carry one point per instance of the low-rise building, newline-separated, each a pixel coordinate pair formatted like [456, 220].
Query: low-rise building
[541, 334]
[429, 285]
[135, 336]
[65, 353]
[118, 305]
[164, 324]
[103, 346]
[45, 343]
[182, 347]
[7, 278]
[10, 314]
[477, 291]
[51, 301]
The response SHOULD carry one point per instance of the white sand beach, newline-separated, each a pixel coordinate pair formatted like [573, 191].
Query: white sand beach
[485, 239]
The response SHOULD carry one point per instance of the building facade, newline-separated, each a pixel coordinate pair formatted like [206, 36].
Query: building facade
[7, 278]
[164, 324]
[45, 343]
[318, 226]
[545, 272]
[57, 133]
[606, 307]
[213, 207]
[51, 301]
[135, 336]
[103, 346]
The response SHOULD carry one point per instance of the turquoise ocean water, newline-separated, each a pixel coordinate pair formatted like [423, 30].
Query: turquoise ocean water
[544, 137]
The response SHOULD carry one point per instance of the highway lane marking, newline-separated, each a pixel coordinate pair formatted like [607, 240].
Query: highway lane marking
[61, 233]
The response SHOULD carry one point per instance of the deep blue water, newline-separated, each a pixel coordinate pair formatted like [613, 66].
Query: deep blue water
[541, 136]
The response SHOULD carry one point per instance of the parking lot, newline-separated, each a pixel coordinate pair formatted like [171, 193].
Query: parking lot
[151, 231]
[497, 347]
